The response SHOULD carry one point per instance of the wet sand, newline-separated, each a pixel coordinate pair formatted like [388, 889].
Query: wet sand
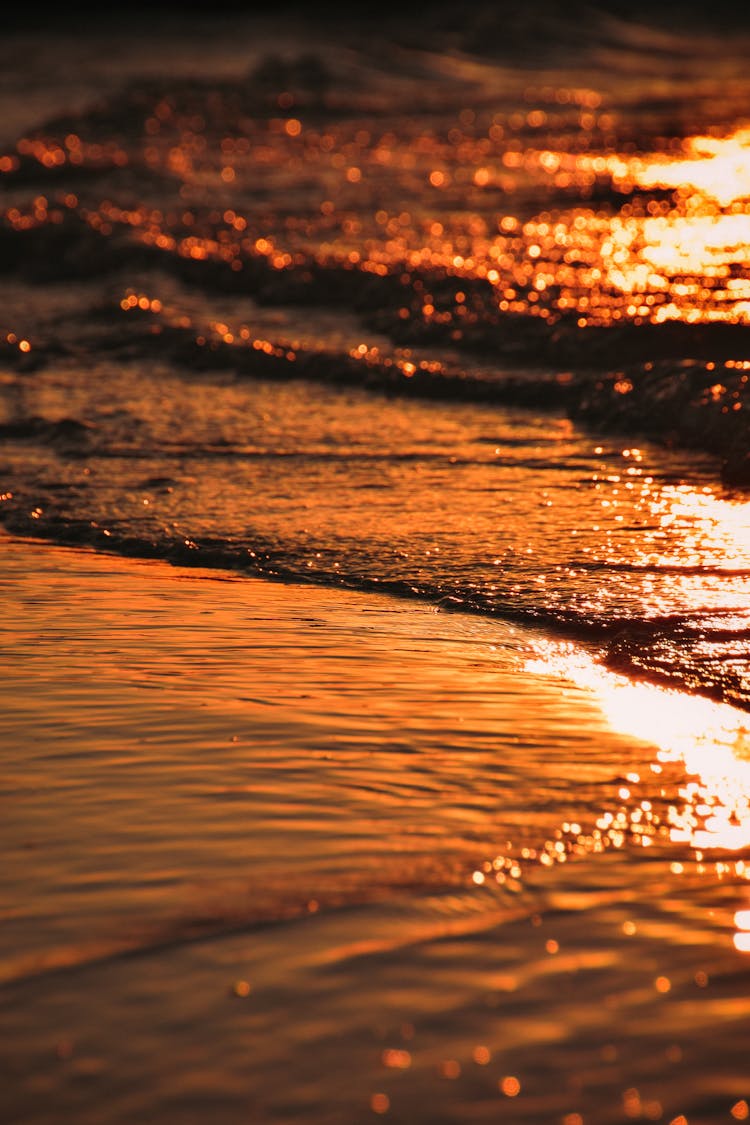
[276, 853]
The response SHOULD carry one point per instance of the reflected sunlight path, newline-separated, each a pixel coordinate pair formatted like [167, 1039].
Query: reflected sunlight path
[711, 740]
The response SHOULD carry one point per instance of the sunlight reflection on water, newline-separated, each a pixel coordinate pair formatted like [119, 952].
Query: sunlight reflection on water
[710, 812]
[719, 167]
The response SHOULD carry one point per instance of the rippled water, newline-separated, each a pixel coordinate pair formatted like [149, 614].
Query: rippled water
[514, 514]
[195, 255]
[446, 329]
[324, 855]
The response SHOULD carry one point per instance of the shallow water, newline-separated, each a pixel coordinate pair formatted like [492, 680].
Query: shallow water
[319, 301]
[307, 854]
[521, 515]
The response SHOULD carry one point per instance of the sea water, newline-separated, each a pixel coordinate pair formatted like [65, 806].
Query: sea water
[448, 821]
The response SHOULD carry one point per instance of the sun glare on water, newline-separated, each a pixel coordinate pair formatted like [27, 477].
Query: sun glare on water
[642, 237]
[710, 812]
[719, 168]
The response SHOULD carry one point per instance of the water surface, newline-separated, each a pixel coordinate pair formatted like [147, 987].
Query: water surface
[375, 735]
[298, 853]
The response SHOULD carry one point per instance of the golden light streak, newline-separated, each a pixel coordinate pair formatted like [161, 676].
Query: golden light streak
[711, 739]
[717, 167]
[710, 813]
[710, 530]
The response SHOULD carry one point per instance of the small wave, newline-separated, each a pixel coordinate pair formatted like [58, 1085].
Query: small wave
[701, 652]
[218, 914]
[655, 393]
